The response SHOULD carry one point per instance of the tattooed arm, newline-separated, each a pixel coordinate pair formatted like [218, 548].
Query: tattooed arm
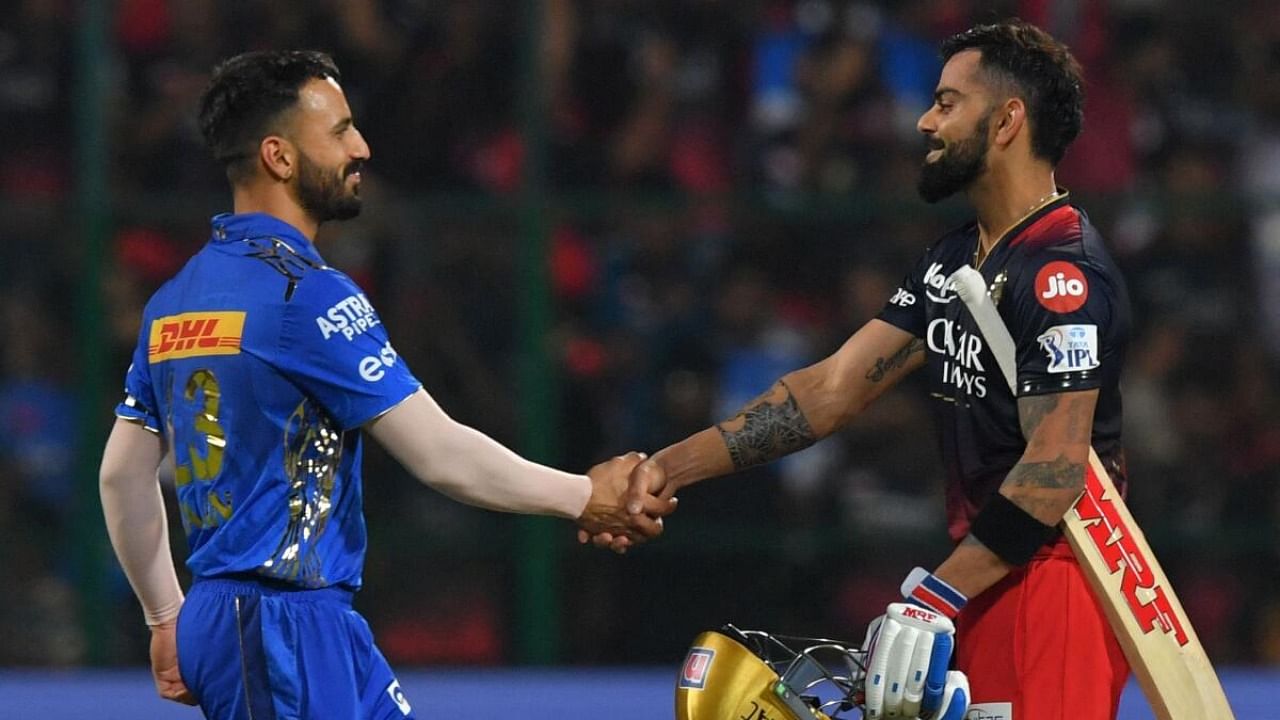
[800, 409]
[1045, 483]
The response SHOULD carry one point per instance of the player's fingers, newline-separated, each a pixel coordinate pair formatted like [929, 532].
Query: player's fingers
[645, 526]
[620, 544]
[656, 507]
[646, 480]
[602, 540]
[584, 537]
[668, 492]
[183, 695]
[175, 690]
[632, 458]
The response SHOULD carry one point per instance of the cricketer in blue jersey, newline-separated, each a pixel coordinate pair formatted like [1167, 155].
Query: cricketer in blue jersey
[260, 368]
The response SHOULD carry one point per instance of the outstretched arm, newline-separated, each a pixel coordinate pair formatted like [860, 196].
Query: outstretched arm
[803, 407]
[471, 467]
[800, 409]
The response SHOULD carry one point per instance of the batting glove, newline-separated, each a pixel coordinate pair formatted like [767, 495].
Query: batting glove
[908, 651]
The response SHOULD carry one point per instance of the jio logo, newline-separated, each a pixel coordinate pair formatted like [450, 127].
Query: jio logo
[1061, 287]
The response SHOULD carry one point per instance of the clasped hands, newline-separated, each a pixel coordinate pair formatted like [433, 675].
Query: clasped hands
[629, 498]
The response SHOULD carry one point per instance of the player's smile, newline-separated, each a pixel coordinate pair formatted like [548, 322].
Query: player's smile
[934, 149]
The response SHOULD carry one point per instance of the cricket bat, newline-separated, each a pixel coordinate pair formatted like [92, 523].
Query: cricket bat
[1161, 646]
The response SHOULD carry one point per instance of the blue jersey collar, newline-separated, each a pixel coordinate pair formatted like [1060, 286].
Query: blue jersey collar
[229, 227]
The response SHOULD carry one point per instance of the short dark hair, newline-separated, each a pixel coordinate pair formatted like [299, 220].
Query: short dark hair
[1037, 68]
[246, 97]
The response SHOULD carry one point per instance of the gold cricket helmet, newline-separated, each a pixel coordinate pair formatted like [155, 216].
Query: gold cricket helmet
[731, 674]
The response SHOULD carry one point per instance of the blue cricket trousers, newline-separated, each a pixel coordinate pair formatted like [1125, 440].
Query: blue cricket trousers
[254, 650]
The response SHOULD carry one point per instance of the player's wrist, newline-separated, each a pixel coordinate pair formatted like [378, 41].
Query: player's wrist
[931, 592]
[1010, 532]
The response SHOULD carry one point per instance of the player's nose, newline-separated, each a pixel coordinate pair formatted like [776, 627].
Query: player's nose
[360, 149]
[926, 124]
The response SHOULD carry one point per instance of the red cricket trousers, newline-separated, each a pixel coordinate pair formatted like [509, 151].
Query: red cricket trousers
[1036, 646]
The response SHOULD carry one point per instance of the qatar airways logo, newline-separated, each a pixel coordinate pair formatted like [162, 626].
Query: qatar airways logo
[961, 366]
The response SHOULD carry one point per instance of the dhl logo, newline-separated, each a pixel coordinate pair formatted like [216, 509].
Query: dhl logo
[1114, 540]
[195, 334]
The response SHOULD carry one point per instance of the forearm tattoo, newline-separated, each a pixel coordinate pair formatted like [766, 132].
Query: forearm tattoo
[1056, 474]
[767, 429]
[884, 366]
[1031, 479]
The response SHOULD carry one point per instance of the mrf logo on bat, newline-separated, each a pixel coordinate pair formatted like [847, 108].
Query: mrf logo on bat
[1114, 540]
[693, 676]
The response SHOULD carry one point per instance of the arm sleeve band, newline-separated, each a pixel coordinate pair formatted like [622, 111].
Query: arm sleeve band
[1010, 532]
[471, 467]
[134, 511]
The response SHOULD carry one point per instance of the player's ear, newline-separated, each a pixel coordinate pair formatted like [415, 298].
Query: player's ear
[279, 157]
[1010, 117]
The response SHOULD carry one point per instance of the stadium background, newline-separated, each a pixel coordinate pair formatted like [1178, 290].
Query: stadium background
[599, 225]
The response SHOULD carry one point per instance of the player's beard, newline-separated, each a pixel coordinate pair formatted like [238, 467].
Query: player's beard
[323, 193]
[957, 167]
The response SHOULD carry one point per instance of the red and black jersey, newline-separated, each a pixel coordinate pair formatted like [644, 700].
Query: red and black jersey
[1067, 308]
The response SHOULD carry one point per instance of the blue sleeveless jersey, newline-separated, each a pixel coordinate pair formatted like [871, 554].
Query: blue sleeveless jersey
[259, 364]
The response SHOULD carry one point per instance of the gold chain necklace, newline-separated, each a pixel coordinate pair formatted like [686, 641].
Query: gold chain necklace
[1044, 200]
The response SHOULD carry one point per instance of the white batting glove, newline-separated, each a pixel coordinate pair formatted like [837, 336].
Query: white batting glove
[908, 651]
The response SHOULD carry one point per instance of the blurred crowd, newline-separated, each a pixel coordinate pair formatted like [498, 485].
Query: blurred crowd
[725, 190]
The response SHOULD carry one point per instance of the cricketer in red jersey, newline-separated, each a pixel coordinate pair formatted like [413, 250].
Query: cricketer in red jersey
[1029, 633]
